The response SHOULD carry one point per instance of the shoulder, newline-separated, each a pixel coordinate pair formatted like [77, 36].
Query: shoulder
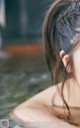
[45, 97]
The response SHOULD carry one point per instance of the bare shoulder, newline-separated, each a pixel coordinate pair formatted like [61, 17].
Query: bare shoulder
[32, 109]
[34, 105]
[43, 97]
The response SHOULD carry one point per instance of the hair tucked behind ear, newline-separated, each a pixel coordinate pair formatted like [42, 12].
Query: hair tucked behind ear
[52, 44]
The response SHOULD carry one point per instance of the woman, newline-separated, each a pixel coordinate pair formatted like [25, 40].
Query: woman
[59, 104]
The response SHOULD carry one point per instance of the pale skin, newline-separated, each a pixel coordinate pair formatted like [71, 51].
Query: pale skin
[39, 112]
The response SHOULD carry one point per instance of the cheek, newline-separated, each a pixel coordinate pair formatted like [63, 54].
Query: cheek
[76, 61]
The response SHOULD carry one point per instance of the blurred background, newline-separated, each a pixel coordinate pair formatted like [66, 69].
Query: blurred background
[23, 68]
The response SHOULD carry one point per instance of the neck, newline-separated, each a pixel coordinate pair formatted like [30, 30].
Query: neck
[76, 79]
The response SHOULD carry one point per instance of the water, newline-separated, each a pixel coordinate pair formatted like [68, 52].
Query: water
[21, 77]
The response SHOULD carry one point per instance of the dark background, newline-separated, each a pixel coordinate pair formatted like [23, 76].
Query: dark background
[24, 19]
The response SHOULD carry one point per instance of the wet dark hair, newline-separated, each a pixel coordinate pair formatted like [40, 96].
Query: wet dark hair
[61, 31]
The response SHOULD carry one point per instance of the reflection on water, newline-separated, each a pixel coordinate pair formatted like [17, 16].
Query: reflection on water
[20, 78]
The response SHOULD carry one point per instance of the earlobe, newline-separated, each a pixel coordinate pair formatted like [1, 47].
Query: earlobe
[69, 68]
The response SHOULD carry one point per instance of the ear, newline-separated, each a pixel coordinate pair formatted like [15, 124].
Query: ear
[65, 59]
